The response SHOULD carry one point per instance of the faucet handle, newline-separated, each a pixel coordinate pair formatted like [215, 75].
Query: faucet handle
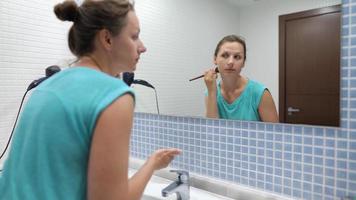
[183, 175]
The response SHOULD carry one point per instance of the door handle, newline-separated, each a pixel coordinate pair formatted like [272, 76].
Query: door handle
[292, 110]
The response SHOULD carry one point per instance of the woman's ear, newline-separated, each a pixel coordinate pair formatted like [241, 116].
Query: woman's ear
[214, 61]
[243, 64]
[105, 39]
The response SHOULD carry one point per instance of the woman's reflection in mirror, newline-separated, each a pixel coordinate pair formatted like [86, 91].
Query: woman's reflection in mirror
[236, 96]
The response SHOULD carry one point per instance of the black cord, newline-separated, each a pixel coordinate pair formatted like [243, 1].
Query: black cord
[18, 113]
[49, 72]
[13, 128]
[156, 100]
[140, 82]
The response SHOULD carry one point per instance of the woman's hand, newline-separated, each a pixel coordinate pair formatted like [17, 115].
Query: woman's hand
[210, 77]
[158, 160]
[162, 157]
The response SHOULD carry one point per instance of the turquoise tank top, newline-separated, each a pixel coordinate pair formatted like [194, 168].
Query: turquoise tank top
[245, 107]
[49, 154]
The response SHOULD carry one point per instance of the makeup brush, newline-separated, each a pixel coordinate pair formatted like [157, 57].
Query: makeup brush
[201, 76]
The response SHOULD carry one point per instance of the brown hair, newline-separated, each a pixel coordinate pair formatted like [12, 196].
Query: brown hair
[89, 18]
[230, 38]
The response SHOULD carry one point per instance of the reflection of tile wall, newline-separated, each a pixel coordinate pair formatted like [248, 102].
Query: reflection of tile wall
[308, 162]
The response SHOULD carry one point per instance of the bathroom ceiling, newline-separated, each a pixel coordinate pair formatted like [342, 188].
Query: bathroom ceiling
[243, 2]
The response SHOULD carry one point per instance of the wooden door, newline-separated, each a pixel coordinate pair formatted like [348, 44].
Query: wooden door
[309, 67]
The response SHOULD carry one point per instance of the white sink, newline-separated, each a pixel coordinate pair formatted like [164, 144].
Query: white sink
[153, 191]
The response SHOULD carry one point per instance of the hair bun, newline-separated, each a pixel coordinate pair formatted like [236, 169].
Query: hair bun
[67, 11]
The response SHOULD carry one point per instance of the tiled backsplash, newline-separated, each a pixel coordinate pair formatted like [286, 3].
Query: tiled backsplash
[308, 162]
[300, 161]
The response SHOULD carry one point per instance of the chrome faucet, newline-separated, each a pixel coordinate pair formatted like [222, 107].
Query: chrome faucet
[179, 186]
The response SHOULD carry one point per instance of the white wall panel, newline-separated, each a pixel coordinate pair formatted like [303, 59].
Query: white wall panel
[31, 38]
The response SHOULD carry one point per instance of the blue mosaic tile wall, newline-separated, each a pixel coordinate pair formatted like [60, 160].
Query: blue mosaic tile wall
[302, 162]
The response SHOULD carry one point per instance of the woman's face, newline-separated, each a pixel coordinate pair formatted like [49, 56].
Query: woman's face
[127, 46]
[230, 58]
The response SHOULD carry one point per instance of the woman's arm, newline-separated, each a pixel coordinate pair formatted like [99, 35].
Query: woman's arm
[267, 108]
[210, 100]
[109, 152]
[159, 159]
[211, 106]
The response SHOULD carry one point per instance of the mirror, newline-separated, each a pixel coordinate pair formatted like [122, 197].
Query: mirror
[181, 37]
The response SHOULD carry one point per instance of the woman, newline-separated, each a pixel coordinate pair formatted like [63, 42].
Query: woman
[72, 141]
[235, 96]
